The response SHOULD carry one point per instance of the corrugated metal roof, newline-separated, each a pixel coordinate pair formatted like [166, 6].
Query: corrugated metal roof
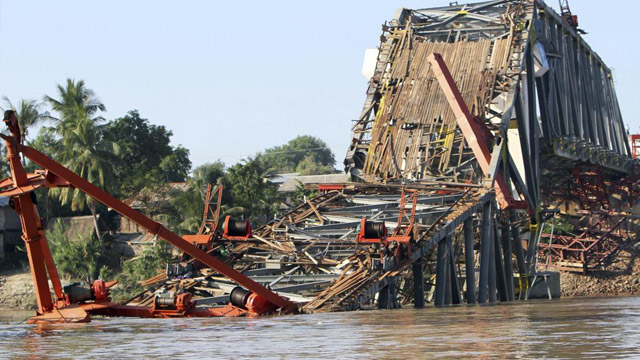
[281, 178]
[292, 183]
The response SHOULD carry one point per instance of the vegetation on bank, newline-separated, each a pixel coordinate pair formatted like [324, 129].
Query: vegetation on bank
[129, 155]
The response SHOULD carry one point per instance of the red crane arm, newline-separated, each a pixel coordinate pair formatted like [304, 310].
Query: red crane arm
[21, 184]
[152, 226]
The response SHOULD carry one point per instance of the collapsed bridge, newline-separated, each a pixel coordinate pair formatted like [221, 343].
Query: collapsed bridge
[481, 123]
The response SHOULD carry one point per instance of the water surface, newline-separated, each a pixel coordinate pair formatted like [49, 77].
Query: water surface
[596, 328]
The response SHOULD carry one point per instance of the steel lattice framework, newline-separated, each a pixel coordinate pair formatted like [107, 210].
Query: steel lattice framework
[546, 96]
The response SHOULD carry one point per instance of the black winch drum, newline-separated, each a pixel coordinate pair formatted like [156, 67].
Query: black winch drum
[239, 296]
[237, 227]
[374, 230]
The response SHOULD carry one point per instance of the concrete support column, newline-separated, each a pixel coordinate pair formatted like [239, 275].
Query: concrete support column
[500, 275]
[492, 265]
[447, 271]
[388, 296]
[515, 237]
[456, 298]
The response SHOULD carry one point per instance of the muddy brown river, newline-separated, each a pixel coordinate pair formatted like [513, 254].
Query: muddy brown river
[585, 328]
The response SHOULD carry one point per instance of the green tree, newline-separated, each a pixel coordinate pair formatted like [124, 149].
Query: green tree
[81, 146]
[210, 173]
[175, 167]
[150, 262]
[29, 115]
[301, 194]
[249, 189]
[187, 208]
[146, 156]
[76, 101]
[76, 259]
[310, 166]
[5, 170]
[305, 153]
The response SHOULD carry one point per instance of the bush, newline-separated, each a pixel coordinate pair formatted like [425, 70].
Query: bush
[76, 259]
[82, 260]
[148, 264]
[563, 226]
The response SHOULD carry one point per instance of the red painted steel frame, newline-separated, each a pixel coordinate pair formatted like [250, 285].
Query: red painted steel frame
[590, 248]
[211, 217]
[472, 131]
[404, 231]
[21, 184]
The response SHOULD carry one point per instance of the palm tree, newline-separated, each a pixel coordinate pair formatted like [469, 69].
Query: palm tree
[76, 100]
[82, 147]
[29, 115]
[28, 112]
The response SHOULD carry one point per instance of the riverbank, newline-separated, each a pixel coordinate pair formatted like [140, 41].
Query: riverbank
[16, 291]
[620, 278]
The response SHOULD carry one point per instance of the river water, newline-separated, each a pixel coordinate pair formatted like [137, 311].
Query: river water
[596, 328]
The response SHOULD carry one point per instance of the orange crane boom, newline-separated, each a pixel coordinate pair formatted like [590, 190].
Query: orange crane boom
[19, 188]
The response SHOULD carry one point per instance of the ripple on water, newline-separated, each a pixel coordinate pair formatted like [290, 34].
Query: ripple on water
[602, 328]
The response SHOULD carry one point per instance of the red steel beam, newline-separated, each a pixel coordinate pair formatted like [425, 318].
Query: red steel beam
[472, 131]
[40, 261]
[153, 227]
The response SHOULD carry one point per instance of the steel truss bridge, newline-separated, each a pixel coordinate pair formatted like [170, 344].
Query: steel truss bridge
[546, 109]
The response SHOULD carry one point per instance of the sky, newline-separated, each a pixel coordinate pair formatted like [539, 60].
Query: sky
[230, 79]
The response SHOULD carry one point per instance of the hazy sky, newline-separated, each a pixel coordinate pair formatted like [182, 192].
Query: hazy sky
[233, 78]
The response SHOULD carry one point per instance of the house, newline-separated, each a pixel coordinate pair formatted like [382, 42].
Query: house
[10, 230]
